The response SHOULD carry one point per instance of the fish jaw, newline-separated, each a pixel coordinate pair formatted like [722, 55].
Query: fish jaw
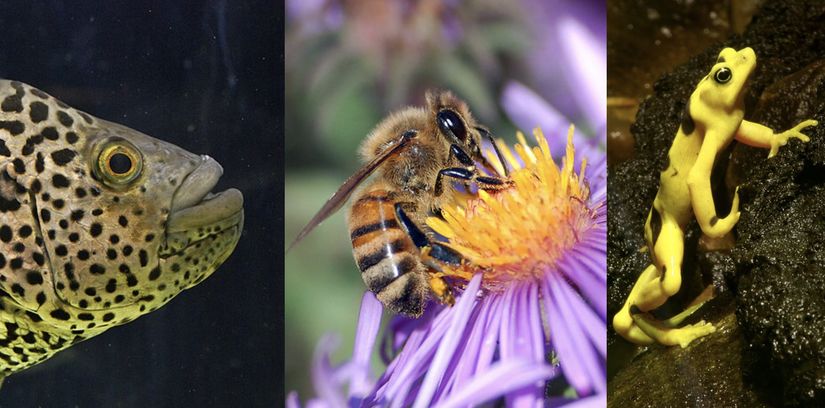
[202, 228]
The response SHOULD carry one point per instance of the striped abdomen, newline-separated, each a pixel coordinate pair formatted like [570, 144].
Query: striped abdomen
[385, 254]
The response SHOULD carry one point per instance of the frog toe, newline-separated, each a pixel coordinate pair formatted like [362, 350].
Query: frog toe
[686, 335]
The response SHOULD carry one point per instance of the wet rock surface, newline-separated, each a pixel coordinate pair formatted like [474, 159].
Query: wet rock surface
[771, 350]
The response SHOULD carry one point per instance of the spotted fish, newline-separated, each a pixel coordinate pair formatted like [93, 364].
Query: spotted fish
[99, 224]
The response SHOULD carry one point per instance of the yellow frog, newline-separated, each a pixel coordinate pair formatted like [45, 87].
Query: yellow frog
[712, 118]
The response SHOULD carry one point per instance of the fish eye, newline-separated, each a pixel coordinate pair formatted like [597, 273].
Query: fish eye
[451, 123]
[723, 75]
[119, 163]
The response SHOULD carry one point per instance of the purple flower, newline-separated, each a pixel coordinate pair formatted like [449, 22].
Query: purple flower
[531, 307]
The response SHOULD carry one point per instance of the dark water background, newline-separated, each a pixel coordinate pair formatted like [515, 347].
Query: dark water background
[205, 75]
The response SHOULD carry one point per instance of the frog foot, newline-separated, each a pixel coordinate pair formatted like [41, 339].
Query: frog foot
[719, 227]
[781, 139]
[685, 335]
[671, 336]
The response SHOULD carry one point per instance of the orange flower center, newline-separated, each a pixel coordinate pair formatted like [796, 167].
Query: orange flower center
[516, 233]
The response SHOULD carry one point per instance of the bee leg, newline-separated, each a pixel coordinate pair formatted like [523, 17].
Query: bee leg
[460, 155]
[431, 252]
[419, 238]
[452, 172]
[484, 182]
[484, 160]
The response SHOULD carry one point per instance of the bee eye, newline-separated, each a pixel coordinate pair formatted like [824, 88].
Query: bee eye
[723, 75]
[119, 163]
[451, 123]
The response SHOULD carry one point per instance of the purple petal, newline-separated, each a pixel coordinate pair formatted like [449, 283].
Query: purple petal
[460, 352]
[489, 343]
[535, 323]
[578, 359]
[579, 271]
[593, 326]
[460, 315]
[366, 333]
[323, 373]
[528, 343]
[528, 111]
[596, 173]
[292, 400]
[586, 69]
[465, 367]
[419, 354]
[564, 342]
[502, 378]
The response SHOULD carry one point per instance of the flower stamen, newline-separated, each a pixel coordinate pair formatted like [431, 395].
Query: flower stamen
[518, 233]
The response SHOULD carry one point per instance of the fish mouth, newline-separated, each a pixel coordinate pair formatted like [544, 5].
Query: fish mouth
[196, 212]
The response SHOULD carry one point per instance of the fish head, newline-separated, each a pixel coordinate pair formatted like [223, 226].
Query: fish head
[158, 229]
[122, 222]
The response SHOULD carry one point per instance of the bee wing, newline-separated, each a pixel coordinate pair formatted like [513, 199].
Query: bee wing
[340, 197]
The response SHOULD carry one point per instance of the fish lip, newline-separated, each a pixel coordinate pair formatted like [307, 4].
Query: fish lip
[224, 207]
[197, 184]
[194, 205]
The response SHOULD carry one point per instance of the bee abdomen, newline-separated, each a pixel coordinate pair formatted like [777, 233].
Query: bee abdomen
[381, 225]
[382, 249]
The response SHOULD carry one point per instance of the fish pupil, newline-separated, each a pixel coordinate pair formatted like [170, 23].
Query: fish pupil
[120, 163]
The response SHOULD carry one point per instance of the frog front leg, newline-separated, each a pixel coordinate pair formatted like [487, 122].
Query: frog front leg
[701, 195]
[754, 134]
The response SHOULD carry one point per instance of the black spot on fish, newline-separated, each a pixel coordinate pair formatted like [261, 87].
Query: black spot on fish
[60, 314]
[63, 156]
[60, 181]
[86, 117]
[5, 233]
[38, 111]
[49, 133]
[71, 137]
[64, 118]
[15, 127]
[34, 278]
[14, 103]
[4, 150]
[19, 166]
[39, 163]
[38, 93]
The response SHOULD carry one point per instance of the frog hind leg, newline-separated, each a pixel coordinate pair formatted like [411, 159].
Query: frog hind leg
[655, 286]
[623, 321]
[697, 304]
[671, 336]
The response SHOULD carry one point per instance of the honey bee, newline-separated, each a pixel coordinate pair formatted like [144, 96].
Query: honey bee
[413, 153]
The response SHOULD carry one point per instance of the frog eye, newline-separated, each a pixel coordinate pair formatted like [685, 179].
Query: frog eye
[723, 75]
[119, 163]
[450, 122]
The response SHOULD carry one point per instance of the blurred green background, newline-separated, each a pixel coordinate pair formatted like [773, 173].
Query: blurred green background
[350, 63]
